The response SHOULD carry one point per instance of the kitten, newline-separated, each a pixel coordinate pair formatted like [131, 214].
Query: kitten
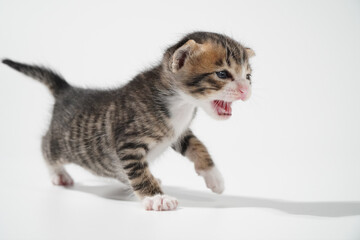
[116, 133]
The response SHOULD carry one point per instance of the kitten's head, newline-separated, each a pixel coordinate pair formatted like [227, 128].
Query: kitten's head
[211, 70]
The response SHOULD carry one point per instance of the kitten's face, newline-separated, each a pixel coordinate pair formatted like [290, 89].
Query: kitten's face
[213, 76]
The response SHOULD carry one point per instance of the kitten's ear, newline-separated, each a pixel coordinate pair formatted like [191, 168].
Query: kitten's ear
[250, 52]
[177, 60]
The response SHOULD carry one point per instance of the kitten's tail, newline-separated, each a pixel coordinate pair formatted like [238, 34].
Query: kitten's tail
[52, 80]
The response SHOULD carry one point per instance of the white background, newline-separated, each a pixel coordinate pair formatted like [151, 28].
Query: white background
[290, 156]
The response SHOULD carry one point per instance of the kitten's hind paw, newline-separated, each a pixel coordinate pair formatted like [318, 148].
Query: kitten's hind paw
[62, 179]
[160, 203]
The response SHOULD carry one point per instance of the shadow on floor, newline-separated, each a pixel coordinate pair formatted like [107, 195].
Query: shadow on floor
[198, 199]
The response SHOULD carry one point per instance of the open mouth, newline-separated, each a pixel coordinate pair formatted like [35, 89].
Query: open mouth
[222, 108]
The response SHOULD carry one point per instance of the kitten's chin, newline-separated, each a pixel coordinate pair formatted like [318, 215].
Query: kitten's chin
[221, 117]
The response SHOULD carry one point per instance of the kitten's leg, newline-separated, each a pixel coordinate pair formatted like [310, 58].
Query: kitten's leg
[58, 174]
[191, 147]
[144, 184]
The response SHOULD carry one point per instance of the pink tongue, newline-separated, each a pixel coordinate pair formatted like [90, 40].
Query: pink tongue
[222, 107]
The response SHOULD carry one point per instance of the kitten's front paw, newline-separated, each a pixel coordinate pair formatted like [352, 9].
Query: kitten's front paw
[213, 179]
[160, 203]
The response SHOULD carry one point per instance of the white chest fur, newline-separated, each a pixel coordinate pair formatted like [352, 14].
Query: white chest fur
[182, 113]
[181, 116]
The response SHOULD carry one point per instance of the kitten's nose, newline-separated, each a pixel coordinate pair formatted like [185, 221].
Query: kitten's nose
[243, 90]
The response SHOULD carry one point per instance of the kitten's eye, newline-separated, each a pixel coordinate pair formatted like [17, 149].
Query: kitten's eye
[248, 76]
[223, 74]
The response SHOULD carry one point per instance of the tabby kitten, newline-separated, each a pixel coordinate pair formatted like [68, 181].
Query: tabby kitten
[116, 133]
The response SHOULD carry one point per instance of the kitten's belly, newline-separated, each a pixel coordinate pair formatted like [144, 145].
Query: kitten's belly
[158, 149]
